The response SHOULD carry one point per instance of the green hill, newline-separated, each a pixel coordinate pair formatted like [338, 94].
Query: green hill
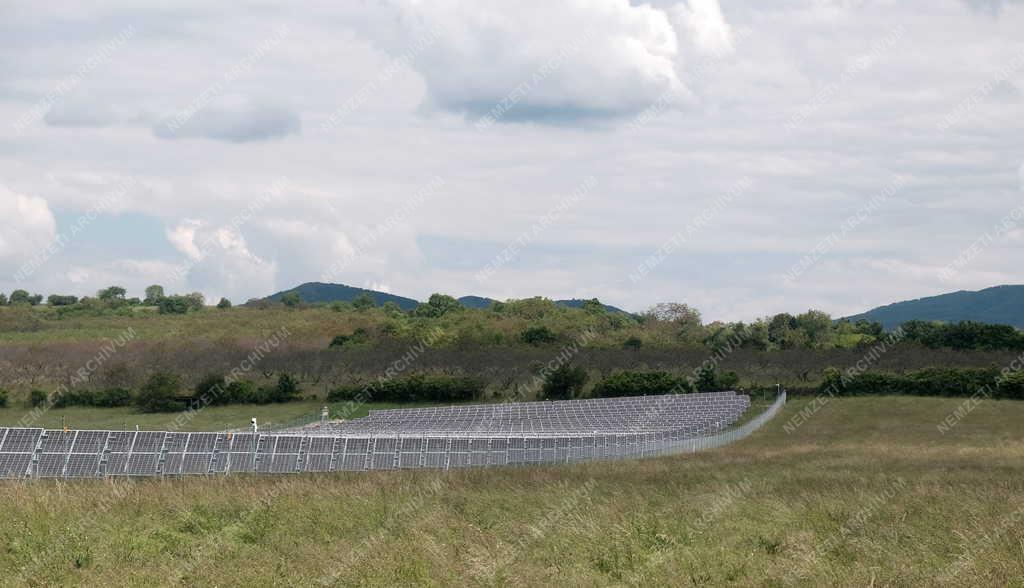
[320, 292]
[997, 305]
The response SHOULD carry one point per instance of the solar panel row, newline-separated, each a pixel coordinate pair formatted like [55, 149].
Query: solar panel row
[636, 430]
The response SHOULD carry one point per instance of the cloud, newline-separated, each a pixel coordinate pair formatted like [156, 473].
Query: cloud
[27, 228]
[544, 61]
[232, 118]
[219, 261]
[705, 25]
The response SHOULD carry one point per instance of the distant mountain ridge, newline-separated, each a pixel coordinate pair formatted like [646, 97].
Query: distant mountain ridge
[319, 292]
[998, 305]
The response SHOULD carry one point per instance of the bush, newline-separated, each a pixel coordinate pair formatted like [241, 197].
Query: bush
[358, 336]
[564, 383]
[160, 393]
[224, 303]
[418, 388]
[37, 398]
[537, 336]
[1011, 386]
[173, 305]
[633, 344]
[286, 390]
[3, 398]
[211, 390]
[947, 382]
[629, 383]
[711, 380]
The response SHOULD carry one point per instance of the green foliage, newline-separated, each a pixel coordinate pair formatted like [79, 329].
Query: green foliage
[37, 398]
[633, 343]
[357, 337]
[632, 383]
[564, 383]
[291, 299]
[593, 306]
[105, 398]
[3, 398]
[286, 390]
[224, 303]
[153, 295]
[179, 304]
[160, 393]
[20, 297]
[417, 388]
[437, 306]
[61, 300]
[364, 302]
[948, 382]
[3, 299]
[963, 335]
[112, 293]
[538, 335]
[710, 379]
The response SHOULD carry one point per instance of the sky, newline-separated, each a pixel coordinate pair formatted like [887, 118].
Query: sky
[744, 157]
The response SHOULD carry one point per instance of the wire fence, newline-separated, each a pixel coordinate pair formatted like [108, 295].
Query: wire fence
[68, 454]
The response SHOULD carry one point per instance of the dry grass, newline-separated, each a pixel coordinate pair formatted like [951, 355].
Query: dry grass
[866, 493]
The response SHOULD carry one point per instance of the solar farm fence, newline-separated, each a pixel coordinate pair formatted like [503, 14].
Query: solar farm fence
[41, 453]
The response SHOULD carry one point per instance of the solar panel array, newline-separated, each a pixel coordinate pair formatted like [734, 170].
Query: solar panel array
[445, 438]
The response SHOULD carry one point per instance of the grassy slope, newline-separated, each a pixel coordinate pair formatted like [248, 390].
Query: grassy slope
[770, 510]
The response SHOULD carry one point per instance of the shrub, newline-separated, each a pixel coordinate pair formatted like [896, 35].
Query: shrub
[418, 388]
[173, 305]
[291, 299]
[211, 390]
[59, 300]
[711, 380]
[948, 382]
[537, 336]
[286, 390]
[437, 306]
[358, 336]
[37, 398]
[3, 398]
[224, 303]
[1011, 385]
[633, 344]
[160, 393]
[630, 383]
[564, 383]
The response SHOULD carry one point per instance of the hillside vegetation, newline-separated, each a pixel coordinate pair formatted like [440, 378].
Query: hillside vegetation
[999, 305]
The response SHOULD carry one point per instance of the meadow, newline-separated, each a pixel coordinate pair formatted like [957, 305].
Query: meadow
[851, 492]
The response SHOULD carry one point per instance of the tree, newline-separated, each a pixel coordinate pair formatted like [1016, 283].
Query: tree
[538, 335]
[112, 293]
[20, 297]
[173, 305]
[633, 344]
[224, 303]
[159, 394]
[593, 306]
[818, 327]
[291, 299]
[3, 299]
[60, 300]
[564, 383]
[363, 302]
[195, 301]
[211, 390]
[35, 299]
[675, 312]
[437, 306]
[153, 295]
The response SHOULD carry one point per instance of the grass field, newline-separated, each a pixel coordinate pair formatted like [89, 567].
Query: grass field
[865, 492]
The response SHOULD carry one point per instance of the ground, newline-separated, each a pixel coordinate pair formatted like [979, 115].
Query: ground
[865, 492]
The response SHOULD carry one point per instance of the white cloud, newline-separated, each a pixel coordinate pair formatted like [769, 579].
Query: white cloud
[551, 61]
[27, 228]
[706, 26]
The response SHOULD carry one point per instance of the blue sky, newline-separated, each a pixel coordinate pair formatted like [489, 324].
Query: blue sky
[406, 145]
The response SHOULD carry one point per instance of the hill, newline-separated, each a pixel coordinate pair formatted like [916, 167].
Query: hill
[320, 292]
[483, 302]
[997, 305]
